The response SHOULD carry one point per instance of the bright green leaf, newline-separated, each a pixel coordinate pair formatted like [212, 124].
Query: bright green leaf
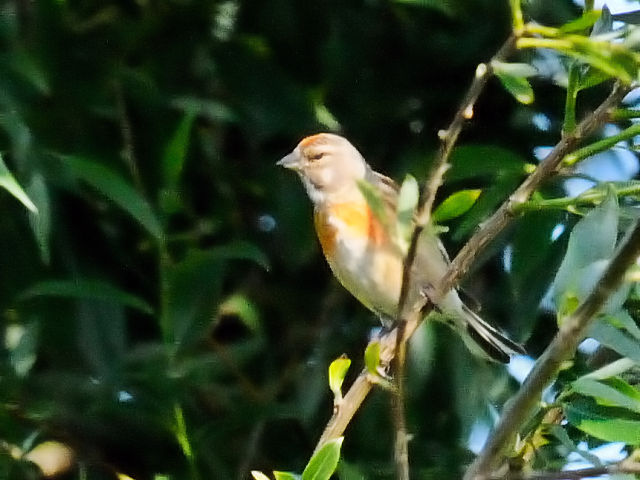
[455, 205]
[618, 394]
[11, 185]
[587, 20]
[116, 189]
[85, 289]
[324, 462]
[337, 371]
[603, 422]
[259, 475]
[519, 87]
[286, 476]
[372, 357]
[407, 202]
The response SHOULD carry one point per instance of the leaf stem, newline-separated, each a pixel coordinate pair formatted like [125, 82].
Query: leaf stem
[601, 145]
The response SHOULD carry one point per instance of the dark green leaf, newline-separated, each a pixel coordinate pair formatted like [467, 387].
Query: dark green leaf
[116, 189]
[455, 205]
[324, 462]
[40, 222]
[86, 289]
[473, 161]
[175, 152]
[603, 422]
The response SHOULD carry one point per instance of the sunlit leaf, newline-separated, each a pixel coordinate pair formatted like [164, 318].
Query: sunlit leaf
[617, 394]
[337, 371]
[375, 201]
[11, 185]
[259, 475]
[87, 289]
[116, 189]
[587, 20]
[518, 87]
[514, 69]
[606, 423]
[286, 476]
[324, 461]
[455, 205]
[372, 357]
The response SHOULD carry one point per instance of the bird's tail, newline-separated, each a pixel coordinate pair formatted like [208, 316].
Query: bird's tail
[484, 340]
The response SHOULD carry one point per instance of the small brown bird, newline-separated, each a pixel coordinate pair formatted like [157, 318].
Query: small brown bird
[364, 256]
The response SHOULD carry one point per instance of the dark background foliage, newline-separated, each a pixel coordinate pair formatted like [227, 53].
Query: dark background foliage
[151, 339]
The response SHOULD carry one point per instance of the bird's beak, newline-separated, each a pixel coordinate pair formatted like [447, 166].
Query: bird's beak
[291, 162]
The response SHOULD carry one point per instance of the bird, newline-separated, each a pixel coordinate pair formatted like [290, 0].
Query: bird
[365, 256]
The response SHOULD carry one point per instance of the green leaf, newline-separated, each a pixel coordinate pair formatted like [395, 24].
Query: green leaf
[259, 475]
[40, 222]
[618, 394]
[563, 437]
[606, 423]
[337, 371]
[116, 189]
[623, 320]
[244, 309]
[175, 153]
[11, 185]
[519, 87]
[375, 201]
[514, 69]
[407, 203]
[372, 357]
[85, 289]
[591, 241]
[615, 339]
[324, 462]
[286, 476]
[455, 205]
[474, 161]
[587, 20]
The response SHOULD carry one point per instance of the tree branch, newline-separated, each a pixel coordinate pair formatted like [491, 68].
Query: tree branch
[562, 348]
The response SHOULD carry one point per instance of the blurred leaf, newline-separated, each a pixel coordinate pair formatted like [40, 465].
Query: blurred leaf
[259, 475]
[405, 210]
[11, 185]
[53, 458]
[518, 87]
[40, 222]
[326, 118]
[87, 289]
[443, 6]
[286, 476]
[615, 339]
[324, 461]
[22, 343]
[210, 109]
[514, 69]
[602, 422]
[591, 78]
[337, 371]
[473, 161]
[375, 201]
[631, 17]
[592, 239]
[604, 24]
[615, 393]
[118, 191]
[587, 20]
[561, 435]
[244, 309]
[372, 357]
[455, 205]
[623, 320]
[175, 153]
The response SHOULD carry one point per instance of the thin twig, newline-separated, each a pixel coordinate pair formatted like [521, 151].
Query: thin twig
[507, 211]
[562, 348]
[401, 449]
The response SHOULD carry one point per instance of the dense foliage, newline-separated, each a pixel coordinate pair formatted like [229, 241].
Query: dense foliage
[166, 312]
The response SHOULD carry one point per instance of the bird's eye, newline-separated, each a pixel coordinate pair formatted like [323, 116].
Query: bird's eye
[316, 156]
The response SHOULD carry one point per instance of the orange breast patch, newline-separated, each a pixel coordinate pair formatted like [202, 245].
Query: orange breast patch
[357, 219]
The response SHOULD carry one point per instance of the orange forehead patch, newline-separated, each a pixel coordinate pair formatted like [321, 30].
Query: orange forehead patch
[311, 139]
[358, 221]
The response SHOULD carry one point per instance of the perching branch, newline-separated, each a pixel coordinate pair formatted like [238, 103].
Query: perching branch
[562, 348]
